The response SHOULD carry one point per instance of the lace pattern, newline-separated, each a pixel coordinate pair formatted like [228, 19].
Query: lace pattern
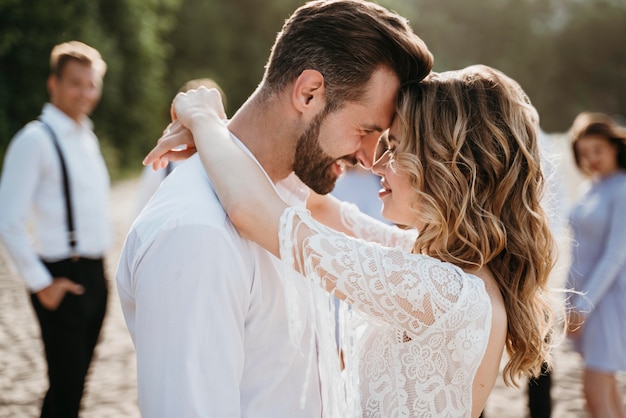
[370, 229]
[417, 330]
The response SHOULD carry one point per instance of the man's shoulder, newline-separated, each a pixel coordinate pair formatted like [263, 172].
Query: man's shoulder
[185, 197]
[33, 132]
[31, 144]
[183, 211]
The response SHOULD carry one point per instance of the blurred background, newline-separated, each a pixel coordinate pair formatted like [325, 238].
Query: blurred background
[569, 55]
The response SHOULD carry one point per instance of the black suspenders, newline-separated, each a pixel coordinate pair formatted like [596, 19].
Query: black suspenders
[66, 189]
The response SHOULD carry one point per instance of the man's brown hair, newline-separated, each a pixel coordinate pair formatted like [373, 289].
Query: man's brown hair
[346, 41]
[74, 50]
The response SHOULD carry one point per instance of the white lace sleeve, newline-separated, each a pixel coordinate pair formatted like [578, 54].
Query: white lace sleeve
[365, 227]
[410, 291]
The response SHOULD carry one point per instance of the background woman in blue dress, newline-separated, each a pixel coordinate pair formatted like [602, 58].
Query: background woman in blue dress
[598, 269]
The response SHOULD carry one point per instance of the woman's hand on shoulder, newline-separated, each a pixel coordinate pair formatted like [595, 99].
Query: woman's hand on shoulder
[177, 142]
[197, 104]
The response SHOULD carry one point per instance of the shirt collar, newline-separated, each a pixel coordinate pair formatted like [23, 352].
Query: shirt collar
[61, 122]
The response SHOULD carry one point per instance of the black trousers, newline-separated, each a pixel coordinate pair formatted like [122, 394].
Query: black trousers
[70, 334]
[539, 399]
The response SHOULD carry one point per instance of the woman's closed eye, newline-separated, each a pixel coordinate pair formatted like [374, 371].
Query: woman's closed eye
[386, 147]
[390, 150]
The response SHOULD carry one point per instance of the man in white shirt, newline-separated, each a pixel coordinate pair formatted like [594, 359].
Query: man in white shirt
[209, 311]
[54, 175]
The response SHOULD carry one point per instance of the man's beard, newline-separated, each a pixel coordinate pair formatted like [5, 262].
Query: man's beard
[311, 164]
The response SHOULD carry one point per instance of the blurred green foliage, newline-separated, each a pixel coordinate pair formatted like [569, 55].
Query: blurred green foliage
[568, 55]
[129, 35]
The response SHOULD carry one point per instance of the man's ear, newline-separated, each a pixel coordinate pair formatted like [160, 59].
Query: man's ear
[51, 84]
[309, 93]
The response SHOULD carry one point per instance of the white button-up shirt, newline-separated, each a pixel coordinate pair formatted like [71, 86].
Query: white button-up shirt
[207, 312]
[31, 190]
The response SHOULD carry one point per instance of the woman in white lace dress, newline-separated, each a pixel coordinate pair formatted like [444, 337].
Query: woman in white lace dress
[432, 315]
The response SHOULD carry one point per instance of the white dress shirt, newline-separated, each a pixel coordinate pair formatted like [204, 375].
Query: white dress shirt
[149, 182]
[207, 312]
[31, 189]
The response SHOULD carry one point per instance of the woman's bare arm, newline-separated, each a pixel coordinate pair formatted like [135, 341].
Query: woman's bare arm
[326, 209]
[249, 199]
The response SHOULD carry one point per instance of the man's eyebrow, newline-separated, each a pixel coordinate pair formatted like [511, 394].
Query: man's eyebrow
[372, 127]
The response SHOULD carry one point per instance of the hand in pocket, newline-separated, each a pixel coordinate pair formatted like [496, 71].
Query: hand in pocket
[51, 297]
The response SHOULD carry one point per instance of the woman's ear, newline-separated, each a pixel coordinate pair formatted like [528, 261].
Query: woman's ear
[309, 94]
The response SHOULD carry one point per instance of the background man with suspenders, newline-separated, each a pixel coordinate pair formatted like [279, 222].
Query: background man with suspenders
[55, 184]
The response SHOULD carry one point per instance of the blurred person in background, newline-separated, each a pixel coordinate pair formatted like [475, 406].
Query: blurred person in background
[597, 323]
[54, 175]
[150, 179]
[360, 186]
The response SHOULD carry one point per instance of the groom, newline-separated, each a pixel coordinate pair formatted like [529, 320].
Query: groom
[207, 309]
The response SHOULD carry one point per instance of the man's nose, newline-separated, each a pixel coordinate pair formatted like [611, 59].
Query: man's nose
[366, 154]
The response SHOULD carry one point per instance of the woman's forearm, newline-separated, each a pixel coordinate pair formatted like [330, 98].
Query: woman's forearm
[327, 210]
[248, 197]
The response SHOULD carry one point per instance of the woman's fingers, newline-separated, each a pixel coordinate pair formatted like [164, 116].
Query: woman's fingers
[175, 144]
[165, 159]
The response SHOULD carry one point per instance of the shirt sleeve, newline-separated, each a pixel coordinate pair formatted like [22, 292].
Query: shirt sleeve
[613, 259]
[365, 227]
[187, 317]
[409, 291]
[23, 165]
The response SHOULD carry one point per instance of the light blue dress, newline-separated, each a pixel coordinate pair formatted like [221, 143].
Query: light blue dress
[598, 269]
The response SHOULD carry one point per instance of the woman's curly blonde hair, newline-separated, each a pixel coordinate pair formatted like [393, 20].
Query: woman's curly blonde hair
[471, 151]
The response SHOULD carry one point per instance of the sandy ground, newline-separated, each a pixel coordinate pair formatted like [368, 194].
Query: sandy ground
[111, 385]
